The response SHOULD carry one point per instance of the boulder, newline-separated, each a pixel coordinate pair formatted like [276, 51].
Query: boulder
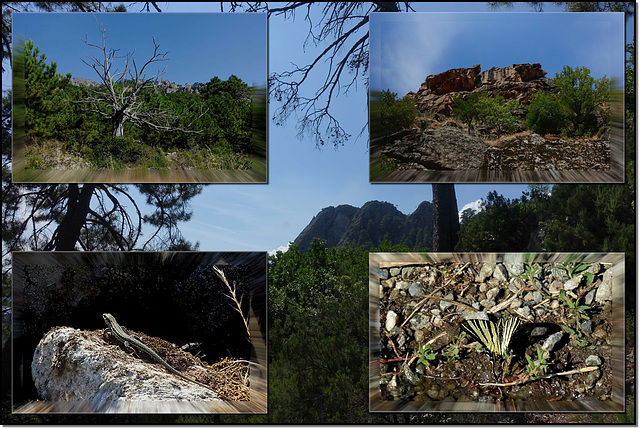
[446, 148]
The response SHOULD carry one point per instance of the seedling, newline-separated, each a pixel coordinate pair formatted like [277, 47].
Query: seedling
[531, 272]
[425, 354]
[538, 366]
[452, 352]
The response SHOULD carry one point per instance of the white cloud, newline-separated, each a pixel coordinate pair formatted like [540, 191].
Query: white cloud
[280, 249]
[412, 48]
[477, 206]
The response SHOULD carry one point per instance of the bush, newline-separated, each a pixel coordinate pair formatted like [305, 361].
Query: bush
[120, 152]
[547, 114]
[585, 98]
[480, 107]
[498, 112]
[395, 114]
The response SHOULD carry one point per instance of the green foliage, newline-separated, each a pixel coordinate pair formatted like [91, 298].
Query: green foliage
[478, 106]
[498, 112]
[575, 268]
[120, 152]
[318, 334]
[55, 111]
[547, 114]
[425, 354]
[585, 98]
[503, 224]
[586, 218]
[538, 366]
[395, 114]
[531, 272]
[451, 352]
[467, 109]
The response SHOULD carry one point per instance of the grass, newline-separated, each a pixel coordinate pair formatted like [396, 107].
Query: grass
[52, 155]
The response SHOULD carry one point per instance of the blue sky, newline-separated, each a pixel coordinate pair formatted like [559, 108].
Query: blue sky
[302, 179]
[198, 44]
[406, 48]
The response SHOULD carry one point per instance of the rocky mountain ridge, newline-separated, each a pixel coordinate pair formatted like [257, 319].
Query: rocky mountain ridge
[369, 225]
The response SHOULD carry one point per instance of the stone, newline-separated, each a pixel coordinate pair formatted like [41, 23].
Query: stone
[551, 341]
[515, 82]
[446, 304]
[514, 269]
[605, 289]
[492, 294]
[500, 273]
[573, 282]
[486, 271]
[391, 320]
[453, 80]
[415, 289]
[593, 360]
[444, 148]
[513, 73]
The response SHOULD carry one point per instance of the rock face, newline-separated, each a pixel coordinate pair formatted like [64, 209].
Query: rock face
[513, 73]
[517, 82]
[454, 80]
[444, 148]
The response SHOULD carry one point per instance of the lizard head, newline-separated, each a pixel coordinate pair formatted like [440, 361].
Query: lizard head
[107, 317]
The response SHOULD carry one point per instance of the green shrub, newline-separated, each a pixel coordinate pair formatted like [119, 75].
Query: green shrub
[395, 114]
[547, 114]
[120, 152]
[498, 112]
[480, 107]
[585, 97]
[157, 160]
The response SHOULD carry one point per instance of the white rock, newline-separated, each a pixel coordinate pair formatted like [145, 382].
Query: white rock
[73, 365]
[392, 320]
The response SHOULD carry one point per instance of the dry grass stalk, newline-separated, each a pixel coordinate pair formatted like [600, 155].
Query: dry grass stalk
[232, 296]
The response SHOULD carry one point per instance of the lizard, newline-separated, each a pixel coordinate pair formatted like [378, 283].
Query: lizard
[129, 341]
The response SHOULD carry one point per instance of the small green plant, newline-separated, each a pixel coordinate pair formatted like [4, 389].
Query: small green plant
[574, 268]
[387, 163]
[578, 313]
[531, 272]
[451, 352]
[538, 366]
[425, 354]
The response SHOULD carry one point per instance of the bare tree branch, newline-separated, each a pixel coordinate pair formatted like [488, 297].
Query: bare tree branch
[119, 97]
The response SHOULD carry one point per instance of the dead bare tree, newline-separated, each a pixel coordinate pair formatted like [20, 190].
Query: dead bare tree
[119, 98]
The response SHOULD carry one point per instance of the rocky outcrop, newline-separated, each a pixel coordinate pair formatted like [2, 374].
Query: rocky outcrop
[454, 80]
[512, 73]
[446, 148]
[515, 82]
